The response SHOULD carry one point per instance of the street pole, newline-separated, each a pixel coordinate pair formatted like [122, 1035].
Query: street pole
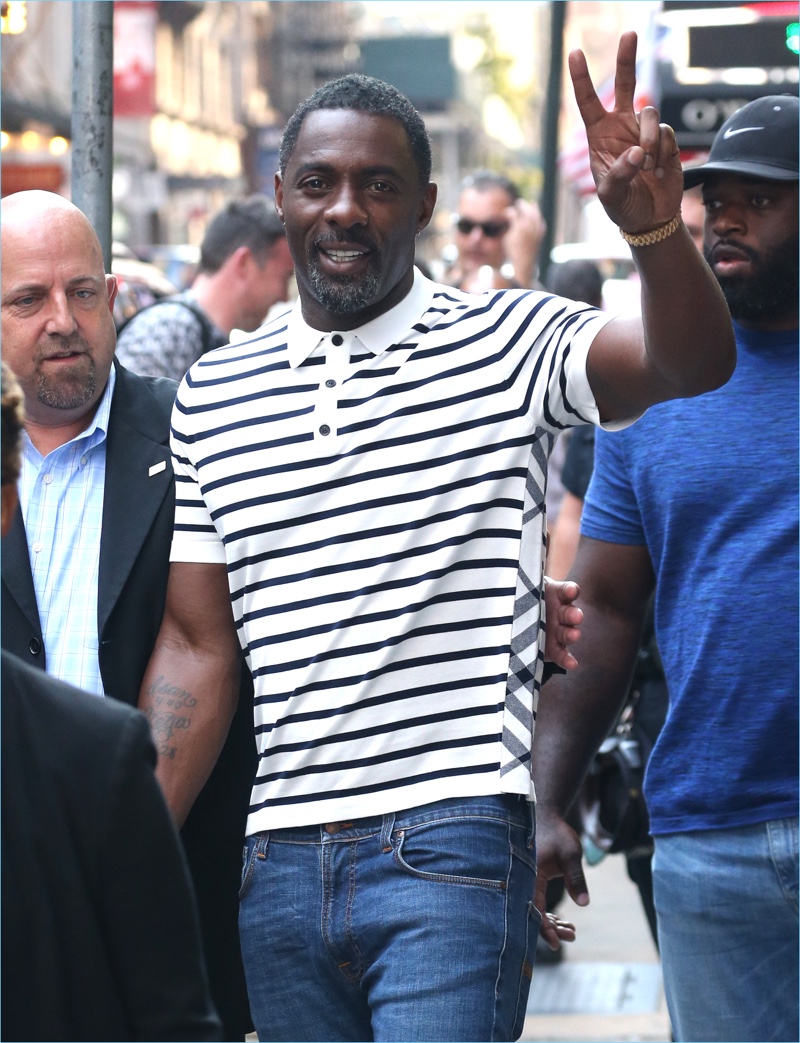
[547, 203]
[92, 115]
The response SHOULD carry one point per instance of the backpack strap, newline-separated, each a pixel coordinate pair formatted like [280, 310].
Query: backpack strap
[210, 339]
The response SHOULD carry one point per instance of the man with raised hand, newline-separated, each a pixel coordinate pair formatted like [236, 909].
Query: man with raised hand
[364, 484]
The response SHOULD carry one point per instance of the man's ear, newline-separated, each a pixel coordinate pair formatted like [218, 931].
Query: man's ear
[279, 194]
[9, 505]
[241, 259]
[427, 205]
[112, 288]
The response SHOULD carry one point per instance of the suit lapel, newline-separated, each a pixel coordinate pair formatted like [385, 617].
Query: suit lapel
[138, 478]
[16, 569]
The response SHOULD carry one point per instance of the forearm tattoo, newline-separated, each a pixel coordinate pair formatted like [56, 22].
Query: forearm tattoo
[164, 714]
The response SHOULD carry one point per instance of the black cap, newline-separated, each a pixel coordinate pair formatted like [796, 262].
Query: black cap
[759, 140]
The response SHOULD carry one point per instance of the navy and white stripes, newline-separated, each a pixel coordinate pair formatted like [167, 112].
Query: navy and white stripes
[378, 499]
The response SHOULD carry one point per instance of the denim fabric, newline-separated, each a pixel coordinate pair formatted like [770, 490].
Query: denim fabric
[727, 905]
[413, 926]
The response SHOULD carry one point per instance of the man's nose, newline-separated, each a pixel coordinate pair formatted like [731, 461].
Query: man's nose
[727, 220]
[60, 320]
[346, 208]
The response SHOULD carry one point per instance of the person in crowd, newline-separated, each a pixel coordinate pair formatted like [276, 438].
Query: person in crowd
[86, 560]
[692, 503]
[495, 227]
[694, 214]
[245, 269]
[364, 484]
[99, 931]
[579, 280]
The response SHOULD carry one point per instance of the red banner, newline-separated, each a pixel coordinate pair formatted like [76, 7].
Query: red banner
[135, 57]
[19, 177]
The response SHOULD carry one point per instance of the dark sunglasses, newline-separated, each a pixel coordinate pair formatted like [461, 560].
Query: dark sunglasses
[491, 229]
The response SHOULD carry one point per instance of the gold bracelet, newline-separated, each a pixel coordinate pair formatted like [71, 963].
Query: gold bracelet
[656, 235]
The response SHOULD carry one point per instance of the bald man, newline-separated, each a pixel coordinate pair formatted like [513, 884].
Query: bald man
[85, 563]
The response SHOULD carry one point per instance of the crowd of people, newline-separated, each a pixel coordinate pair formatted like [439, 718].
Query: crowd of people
[311, 551]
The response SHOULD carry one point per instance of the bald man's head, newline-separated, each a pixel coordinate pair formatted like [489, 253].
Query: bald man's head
[57, 322]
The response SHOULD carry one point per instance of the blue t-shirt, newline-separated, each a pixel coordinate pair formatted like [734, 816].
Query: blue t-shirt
[710, 486]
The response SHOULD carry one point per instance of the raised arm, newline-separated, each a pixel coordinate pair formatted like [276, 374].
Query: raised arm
[191, 685]
[683, 345]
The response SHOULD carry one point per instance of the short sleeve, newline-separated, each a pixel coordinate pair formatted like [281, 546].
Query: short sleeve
[611, 510]
[194, 537]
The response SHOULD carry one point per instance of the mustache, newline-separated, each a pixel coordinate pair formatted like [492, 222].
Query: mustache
[731, 244]
[60, 345]
[351, 238]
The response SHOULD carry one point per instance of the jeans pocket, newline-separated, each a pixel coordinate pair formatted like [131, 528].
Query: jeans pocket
[252, 849]
[472, 852]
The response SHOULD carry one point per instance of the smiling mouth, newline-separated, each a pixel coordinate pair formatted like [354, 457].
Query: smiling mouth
[345, 255]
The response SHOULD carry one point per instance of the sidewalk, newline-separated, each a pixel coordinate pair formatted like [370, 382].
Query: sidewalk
[608, 986]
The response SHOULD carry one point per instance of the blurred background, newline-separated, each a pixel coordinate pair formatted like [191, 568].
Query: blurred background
[201, 92]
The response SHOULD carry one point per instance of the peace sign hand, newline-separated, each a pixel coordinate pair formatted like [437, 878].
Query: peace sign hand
[635, 160]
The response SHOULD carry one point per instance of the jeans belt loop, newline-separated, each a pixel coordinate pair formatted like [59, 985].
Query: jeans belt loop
[386, 833]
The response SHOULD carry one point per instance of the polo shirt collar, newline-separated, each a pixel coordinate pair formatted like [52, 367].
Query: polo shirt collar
[376, 335]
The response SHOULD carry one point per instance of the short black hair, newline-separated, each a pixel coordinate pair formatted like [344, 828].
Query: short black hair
[483, 180]
[579, 280]
[12, 423]
[248, 222]
[363, 94]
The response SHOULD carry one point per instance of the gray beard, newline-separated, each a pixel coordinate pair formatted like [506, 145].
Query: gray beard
[344, 296]
[67, 393]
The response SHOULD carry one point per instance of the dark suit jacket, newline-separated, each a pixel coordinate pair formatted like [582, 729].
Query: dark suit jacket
[100, 938]
[138, 512]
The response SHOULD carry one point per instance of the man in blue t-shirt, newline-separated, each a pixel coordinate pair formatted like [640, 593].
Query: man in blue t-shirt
[700, 500]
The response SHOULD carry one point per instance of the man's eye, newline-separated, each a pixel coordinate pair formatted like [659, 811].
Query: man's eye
[84, 295]
[759, 202]
[314, 183]
[25, 302]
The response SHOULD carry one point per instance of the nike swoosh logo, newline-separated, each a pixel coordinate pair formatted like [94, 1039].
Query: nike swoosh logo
[729, 133]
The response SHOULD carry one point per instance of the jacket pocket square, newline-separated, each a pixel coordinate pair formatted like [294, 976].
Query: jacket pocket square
[157, 468]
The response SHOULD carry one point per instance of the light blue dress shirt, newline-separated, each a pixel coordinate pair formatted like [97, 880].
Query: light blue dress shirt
[62, 505]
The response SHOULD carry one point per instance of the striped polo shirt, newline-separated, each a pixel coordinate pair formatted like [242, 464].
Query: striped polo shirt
[377, 496]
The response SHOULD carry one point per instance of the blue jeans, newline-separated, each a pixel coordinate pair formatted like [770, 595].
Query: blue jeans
[726, 901]
[413, 926]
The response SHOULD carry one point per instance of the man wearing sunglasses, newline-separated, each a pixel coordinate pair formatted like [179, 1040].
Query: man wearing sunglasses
[495, 227]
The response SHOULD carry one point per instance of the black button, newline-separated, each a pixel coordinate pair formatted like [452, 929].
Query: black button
[337, 339]
[330, 383]
[34, 646]
[324, 430]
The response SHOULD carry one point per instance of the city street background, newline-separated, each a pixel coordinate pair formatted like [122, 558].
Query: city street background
[608, 986]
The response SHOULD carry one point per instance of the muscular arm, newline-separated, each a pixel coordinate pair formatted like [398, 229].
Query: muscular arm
[576, 710]
[191, 686]
[683, 345]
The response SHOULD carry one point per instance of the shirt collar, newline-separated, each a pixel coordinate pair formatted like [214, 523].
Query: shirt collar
[376, 335]
[100, 421]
